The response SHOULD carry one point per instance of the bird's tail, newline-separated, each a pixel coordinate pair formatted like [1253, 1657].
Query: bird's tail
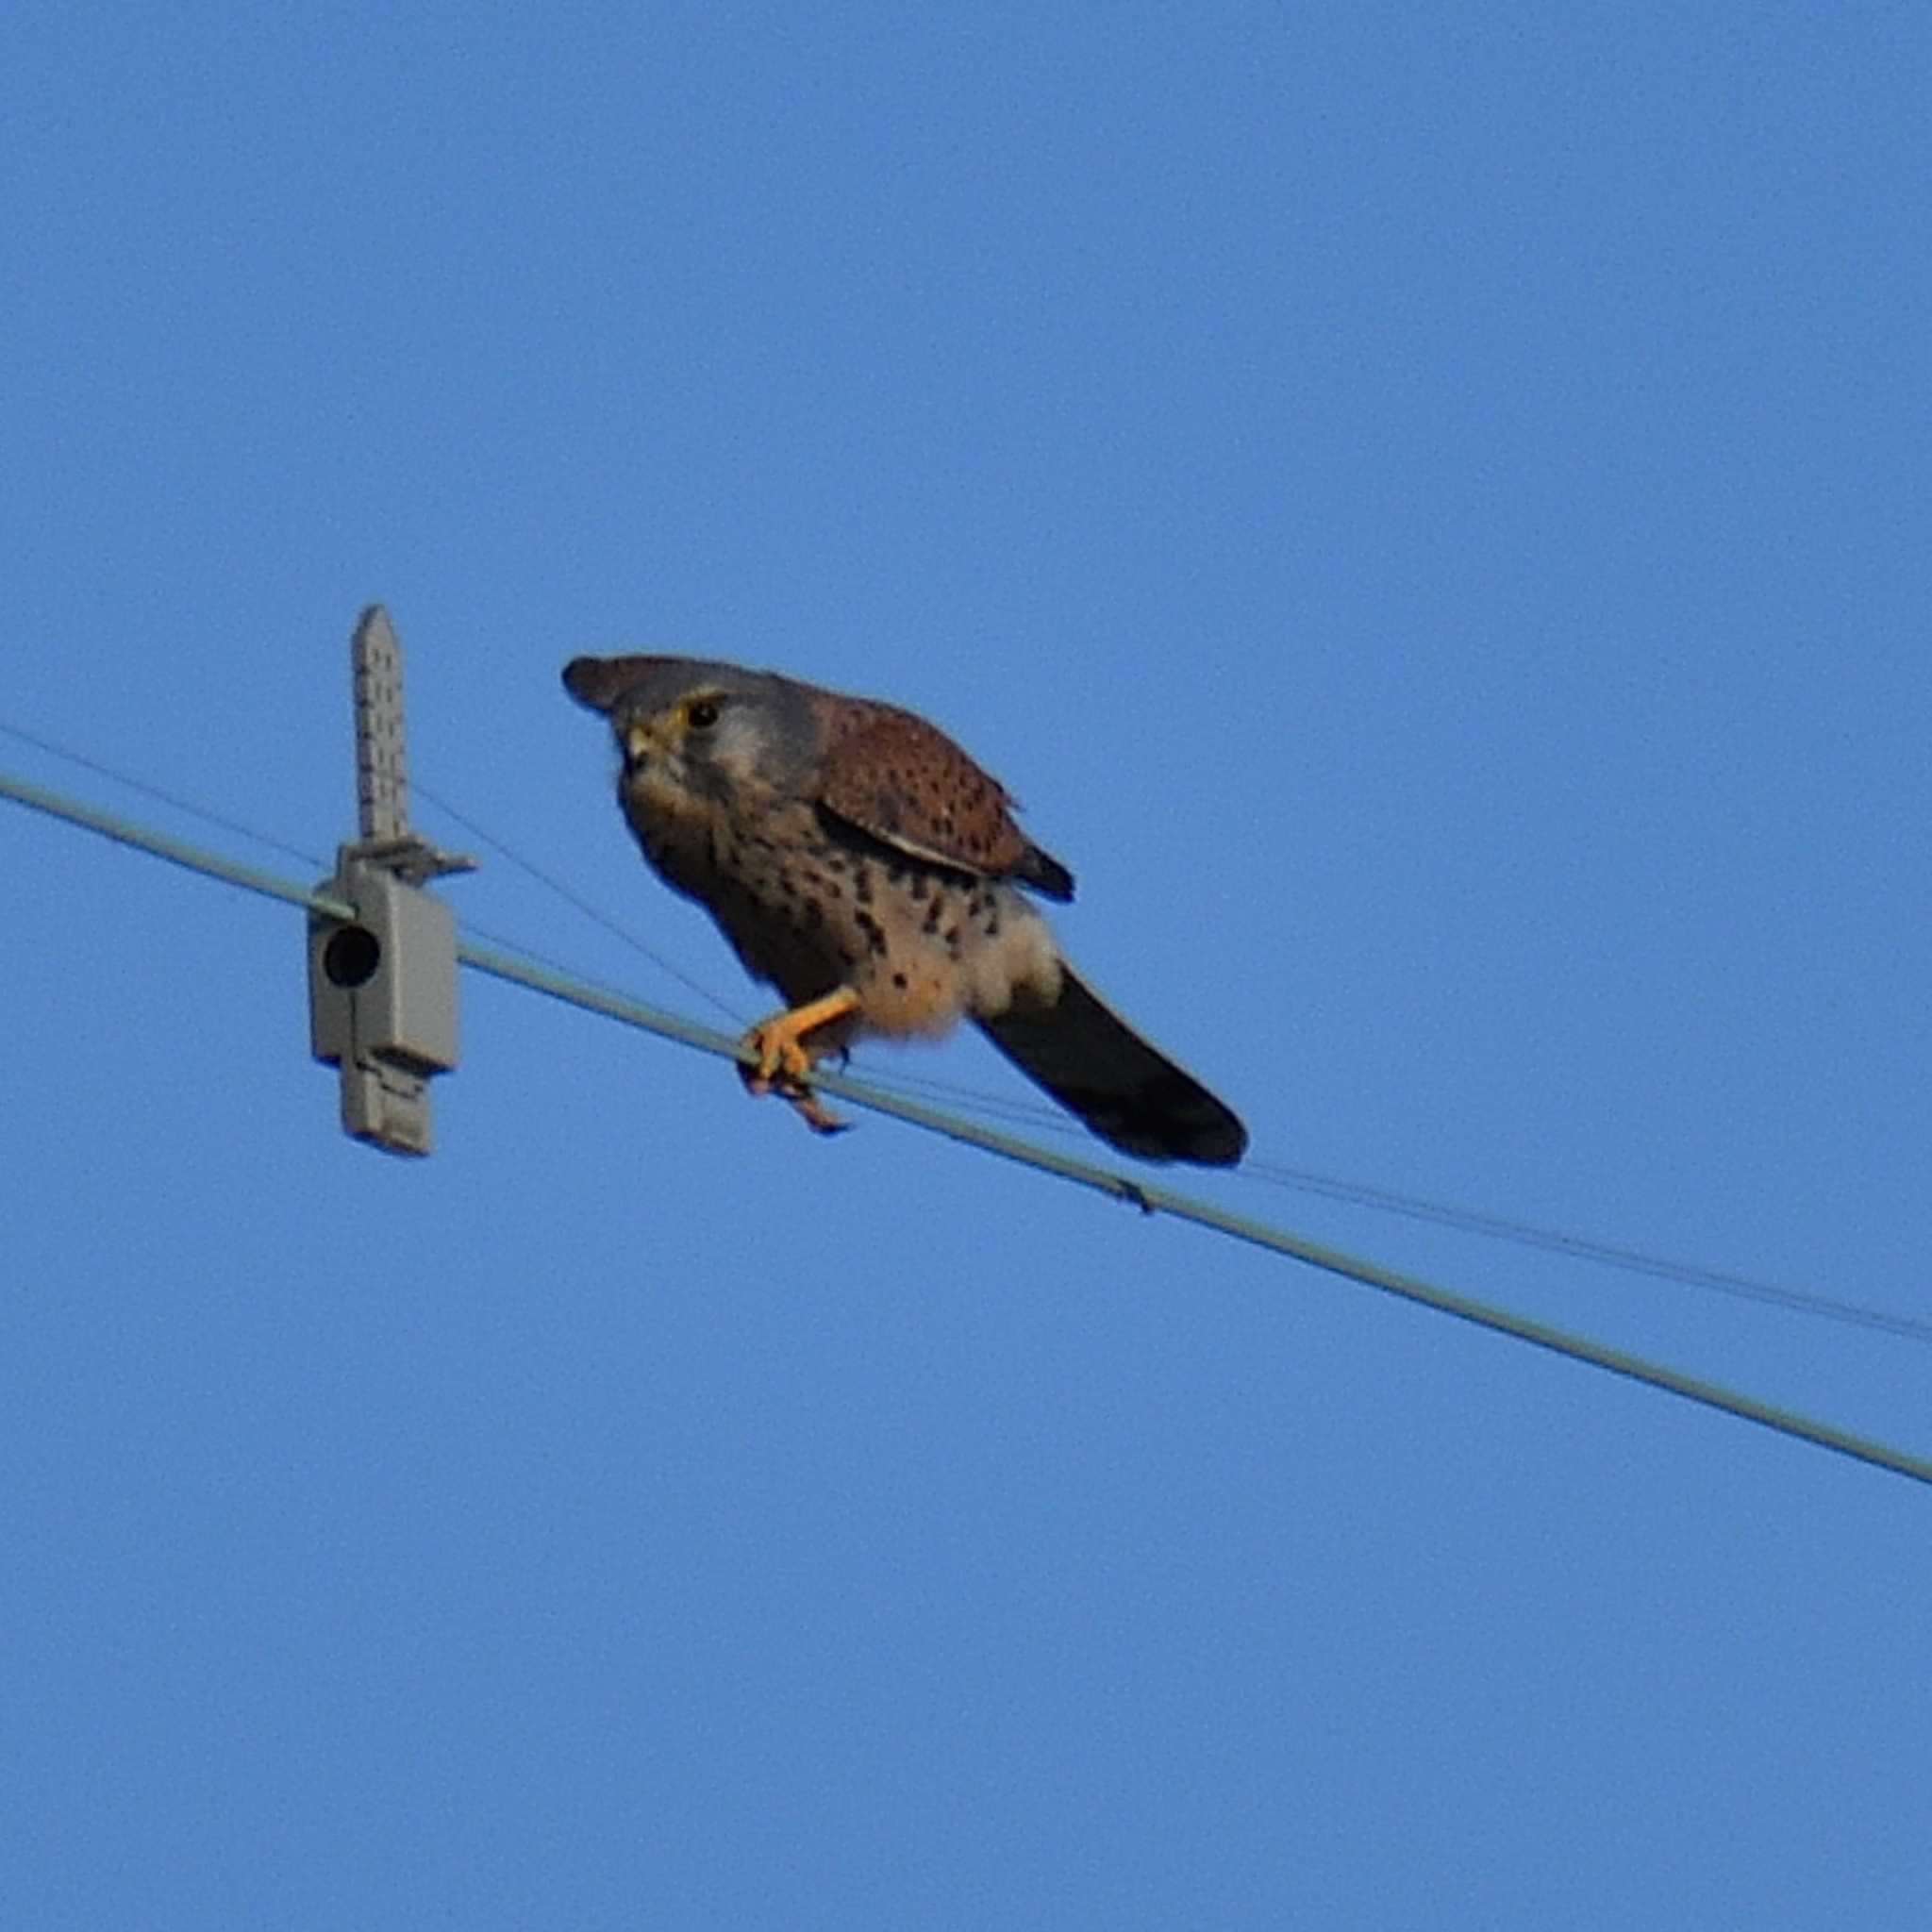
[1094, 1064]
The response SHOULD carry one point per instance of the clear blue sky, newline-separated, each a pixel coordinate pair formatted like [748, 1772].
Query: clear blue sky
[1431, 509]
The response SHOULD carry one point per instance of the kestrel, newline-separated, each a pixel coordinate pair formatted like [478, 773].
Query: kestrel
[861, 863]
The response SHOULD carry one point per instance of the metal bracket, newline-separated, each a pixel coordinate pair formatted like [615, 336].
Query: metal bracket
[382, 987]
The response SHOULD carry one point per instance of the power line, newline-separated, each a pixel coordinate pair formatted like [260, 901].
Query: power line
[1147, 1196]
[1040, 1119]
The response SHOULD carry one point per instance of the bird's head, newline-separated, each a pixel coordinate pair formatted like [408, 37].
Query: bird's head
[694, 735]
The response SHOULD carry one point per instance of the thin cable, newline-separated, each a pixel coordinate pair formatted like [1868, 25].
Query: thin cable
[204, 814]
[1584, 1248]
[595, 914]
[1144, 1195]
[1015, 1109]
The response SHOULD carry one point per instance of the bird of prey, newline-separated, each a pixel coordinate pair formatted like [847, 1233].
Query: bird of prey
[860, 862]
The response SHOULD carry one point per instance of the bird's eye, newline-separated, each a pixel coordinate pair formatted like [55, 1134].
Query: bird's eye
[701, 713]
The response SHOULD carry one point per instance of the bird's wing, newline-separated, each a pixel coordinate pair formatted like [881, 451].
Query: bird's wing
[1131, 1094]
[904, 783]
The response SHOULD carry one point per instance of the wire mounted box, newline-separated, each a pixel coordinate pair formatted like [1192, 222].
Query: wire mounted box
[382, 985]
[382, 1002]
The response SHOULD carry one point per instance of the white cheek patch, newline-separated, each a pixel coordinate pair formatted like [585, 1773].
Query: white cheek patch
[735, 748]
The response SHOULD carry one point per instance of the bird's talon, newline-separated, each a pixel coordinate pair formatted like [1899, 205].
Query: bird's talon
[814, 1112]
[789, 1088]
[783, 1062]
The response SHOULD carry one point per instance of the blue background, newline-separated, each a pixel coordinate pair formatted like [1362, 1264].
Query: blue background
[1429, 508]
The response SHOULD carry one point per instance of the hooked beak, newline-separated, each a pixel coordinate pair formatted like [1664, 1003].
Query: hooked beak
[643, 742]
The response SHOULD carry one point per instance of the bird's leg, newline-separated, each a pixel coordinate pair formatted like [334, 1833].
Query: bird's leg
[785, 1062]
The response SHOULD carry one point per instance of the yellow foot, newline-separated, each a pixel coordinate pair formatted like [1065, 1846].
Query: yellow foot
[784, 1062]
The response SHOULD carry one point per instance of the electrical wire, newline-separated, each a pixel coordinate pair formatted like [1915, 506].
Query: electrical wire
[1148, 1197]
[1019, 1111]
[1039, 1118]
